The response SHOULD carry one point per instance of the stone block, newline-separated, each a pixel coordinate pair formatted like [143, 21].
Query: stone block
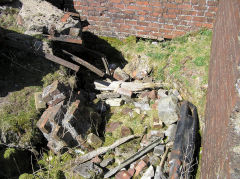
[170, 132]
[39, 103]
[94, 140]
[168, 110]
[108, 95]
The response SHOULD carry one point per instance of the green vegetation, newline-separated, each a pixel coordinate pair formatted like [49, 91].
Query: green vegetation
[181, 63]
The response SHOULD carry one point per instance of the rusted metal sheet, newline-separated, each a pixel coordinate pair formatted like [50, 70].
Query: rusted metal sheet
[221, 141]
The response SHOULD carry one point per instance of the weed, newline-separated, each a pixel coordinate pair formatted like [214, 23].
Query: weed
[200, 61]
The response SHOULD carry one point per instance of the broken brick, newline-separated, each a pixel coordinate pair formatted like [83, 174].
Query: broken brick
[51, 90]
[152, 95]
[123, 175]
[140, 166]
[56, 99]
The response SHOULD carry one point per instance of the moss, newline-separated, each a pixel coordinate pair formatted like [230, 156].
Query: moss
[8, 153]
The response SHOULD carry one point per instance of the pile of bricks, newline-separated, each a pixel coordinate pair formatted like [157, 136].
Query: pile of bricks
[65, 123]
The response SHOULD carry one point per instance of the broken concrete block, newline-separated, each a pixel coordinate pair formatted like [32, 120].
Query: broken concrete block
[170, 132]
[159, 150]
[149, 173]
[107, 162]
[108, 95]
[125, 131]
[140, 166]
[114, 102]
[94, 140]
[120, 75]
[168, 109]
[123, 175]
[88, 170]
[39, 103]
[50, 91]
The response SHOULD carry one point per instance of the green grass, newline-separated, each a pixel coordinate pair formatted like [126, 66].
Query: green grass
[182, 61]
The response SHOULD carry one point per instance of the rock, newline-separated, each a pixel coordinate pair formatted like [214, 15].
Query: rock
[175, 93]
[168, 110]
[149, 173]
[170, 132]
[125, 131]
[114, 102]
[125, 92]
[140, 166]
[159, 150]
[161, 93]
[39, 103]
[88, 169]
[112, 126]
[138, 68]
[120, 75]
[152, 95]
[41, 16]
[94, 140]
[142, 106]
[107, 162]
[108, 95]
[123, 175]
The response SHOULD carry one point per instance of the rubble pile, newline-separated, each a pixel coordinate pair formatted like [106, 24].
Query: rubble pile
[159, 151]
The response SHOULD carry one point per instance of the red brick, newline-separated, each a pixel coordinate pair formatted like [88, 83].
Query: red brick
[133, 7]
[132, 22]
[120, 6]
[116, 1]
[210, 14]
[142, 12]
[170, 5]
[170, 16]
[118, 21]
[143, 23]
[213, 9]
[212, 3]
[145, 3]
[199, 19]
[185, 6]
[140, 166]
[168, 26]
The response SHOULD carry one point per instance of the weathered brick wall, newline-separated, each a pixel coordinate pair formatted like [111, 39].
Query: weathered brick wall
[154, 19]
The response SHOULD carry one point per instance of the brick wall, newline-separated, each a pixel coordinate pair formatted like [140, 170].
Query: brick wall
[153, 19]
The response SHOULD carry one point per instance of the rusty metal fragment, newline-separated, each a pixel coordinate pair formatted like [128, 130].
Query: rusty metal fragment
[221, 140]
